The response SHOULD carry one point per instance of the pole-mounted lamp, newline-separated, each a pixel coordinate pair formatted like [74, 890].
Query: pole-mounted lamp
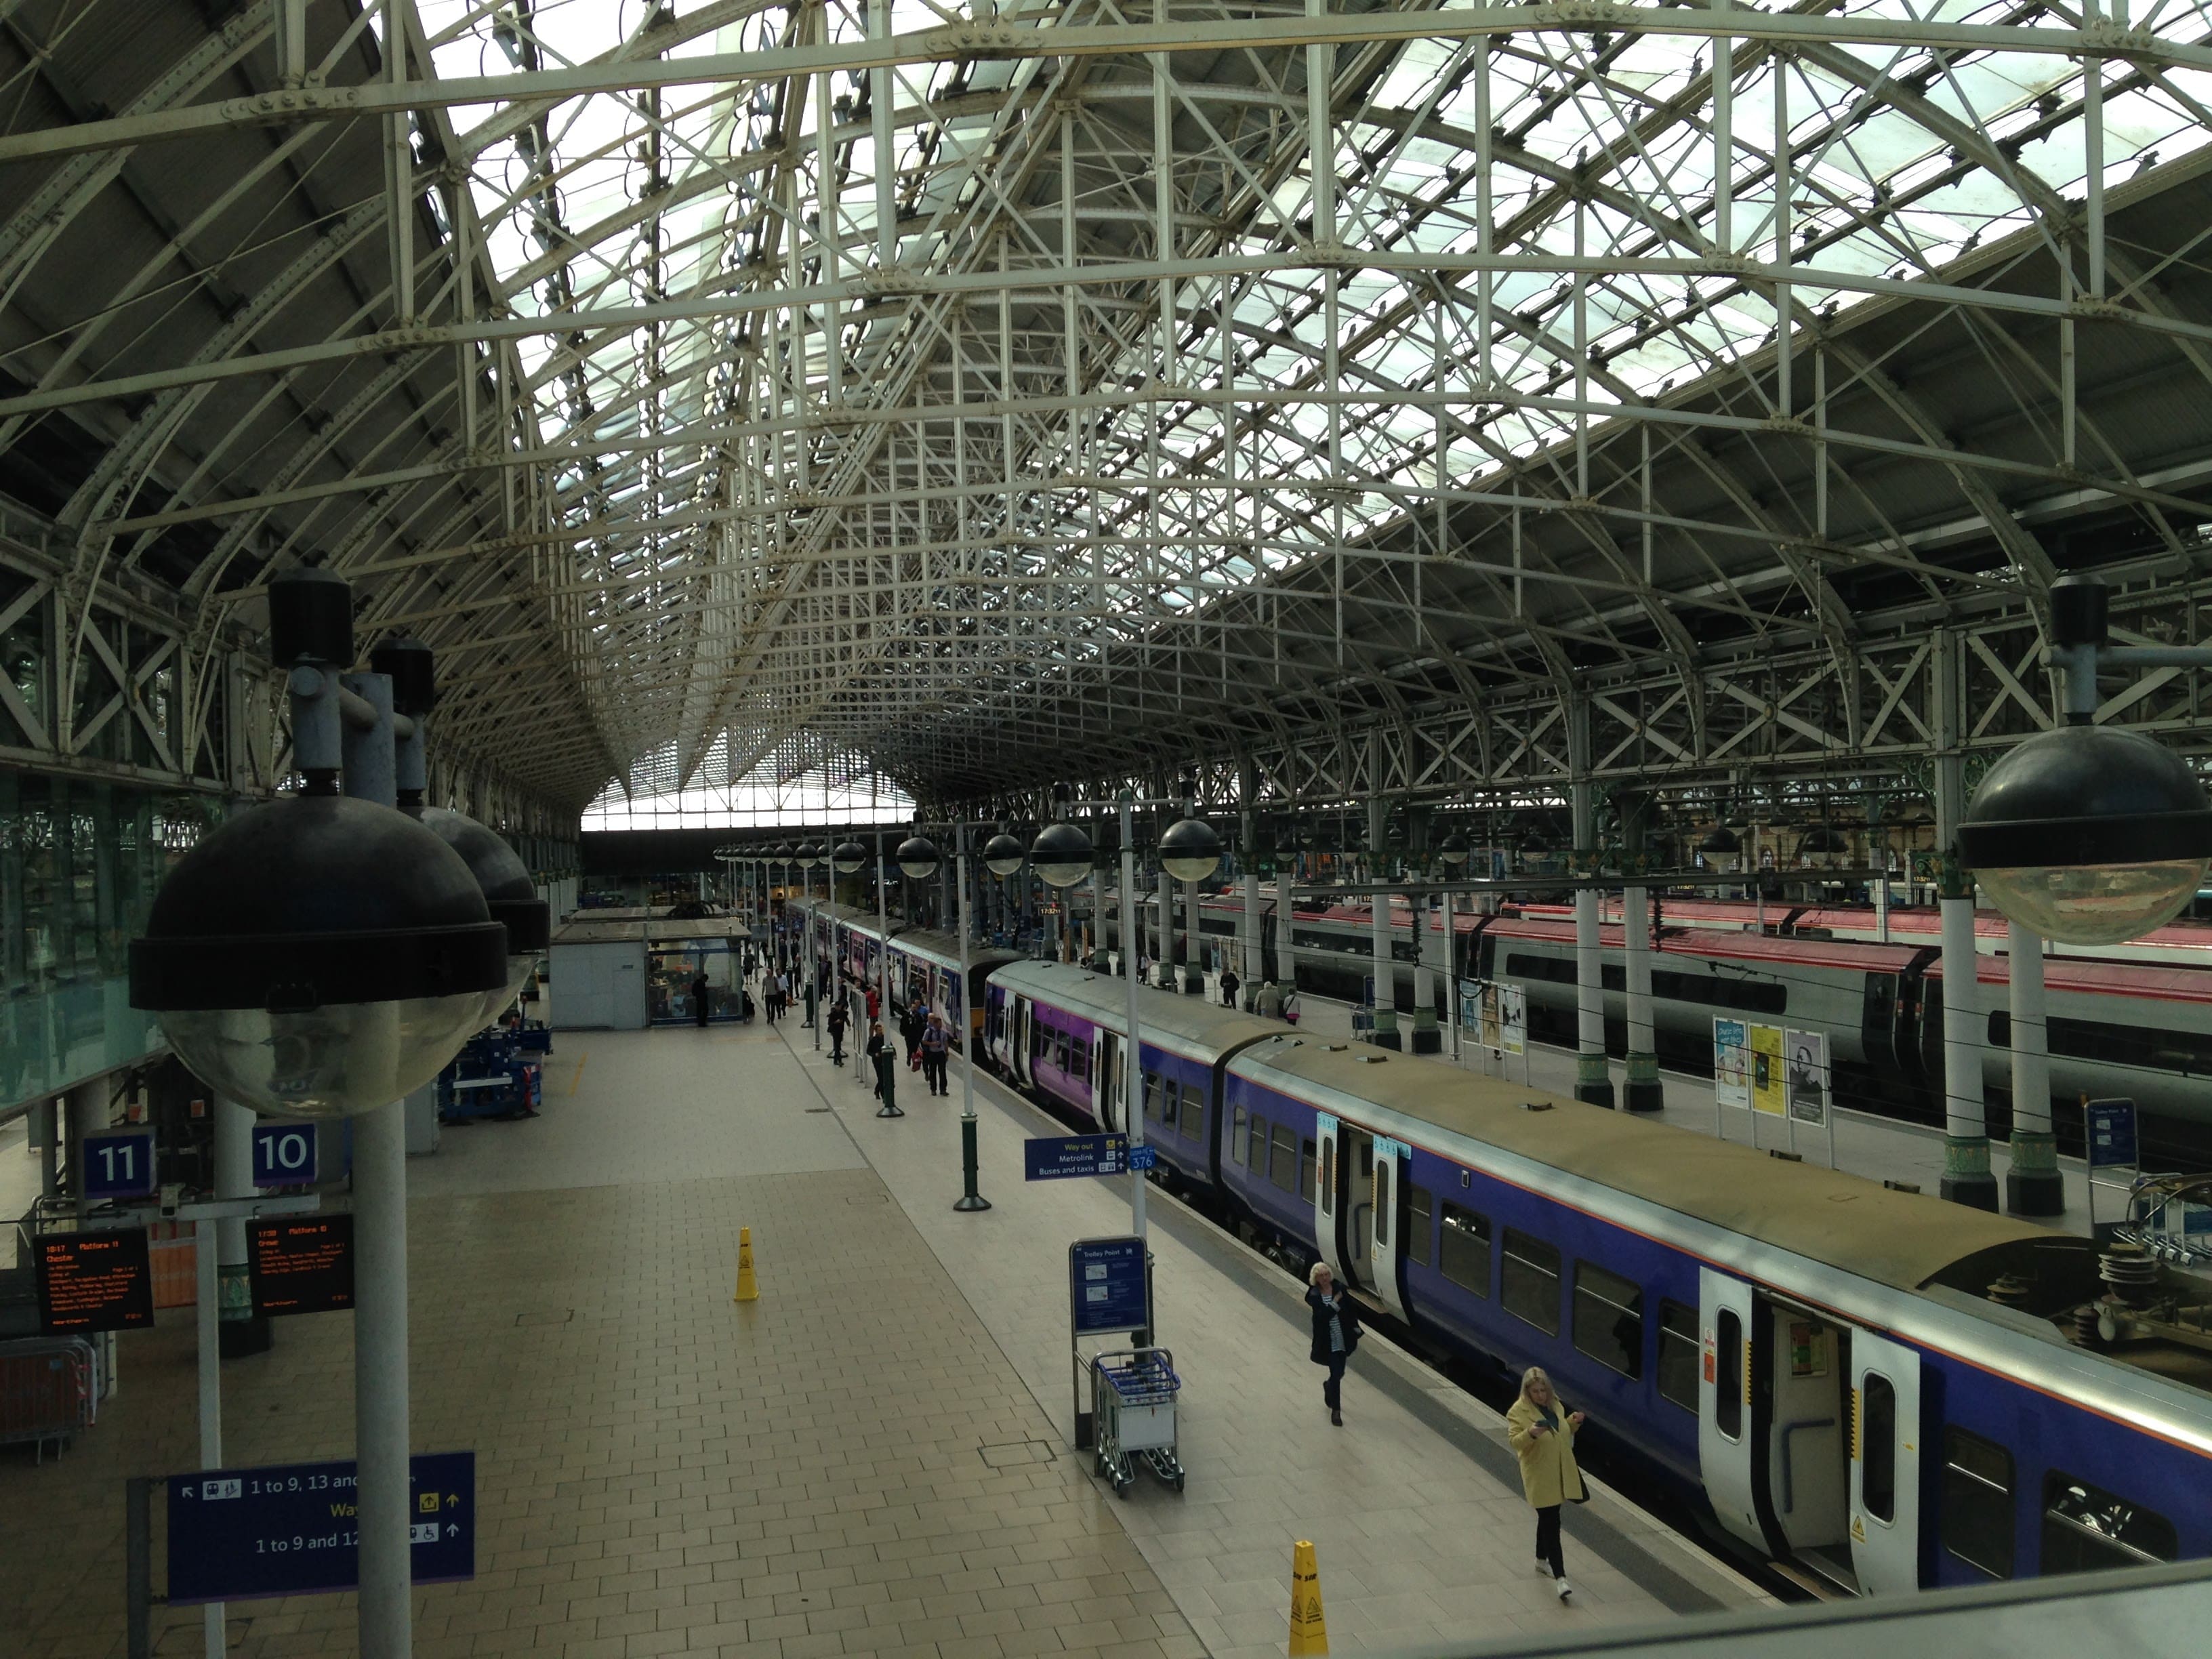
[2087, 834]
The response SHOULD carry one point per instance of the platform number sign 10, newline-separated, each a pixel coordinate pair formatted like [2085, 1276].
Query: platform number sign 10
[118, 1166]
[283, 1154]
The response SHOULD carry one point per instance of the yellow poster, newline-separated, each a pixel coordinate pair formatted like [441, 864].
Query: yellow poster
[1768, 1092]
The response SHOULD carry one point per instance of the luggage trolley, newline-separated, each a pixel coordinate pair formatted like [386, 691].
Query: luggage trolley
[1132, 1401]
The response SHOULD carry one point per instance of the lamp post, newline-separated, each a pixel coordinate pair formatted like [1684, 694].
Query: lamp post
[1062, 855]
[1454, 850]
[918, 858]
[2086, 834]
[322, 958]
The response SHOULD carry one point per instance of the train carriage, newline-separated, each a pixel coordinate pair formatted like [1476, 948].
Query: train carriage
[921, 961]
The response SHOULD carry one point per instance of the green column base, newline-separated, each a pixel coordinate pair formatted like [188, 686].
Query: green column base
[1967, 1177]
[1594, 1078]
[1427, 1038]
[1386, 1029]
[1642, 1092]
[2034, 1185]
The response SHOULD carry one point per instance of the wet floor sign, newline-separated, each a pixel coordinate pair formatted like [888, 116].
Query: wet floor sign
[1309, 1631]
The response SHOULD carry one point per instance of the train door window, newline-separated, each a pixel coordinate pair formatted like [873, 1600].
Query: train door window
[1978, 1501]
[1155, 1095]
[1383, 1202]
[1728, 1377]
[1678, 1355]
[1531, 1287]
[1419, 1208]
[2085, 1527]
[1283, 1158]
[1878, 1447]
[1256, 1146]
[1329, 1177]
[1060, 1046]
[1609, 1319]
[1237, 1134]
[1194, 1113]
[1464, 1249]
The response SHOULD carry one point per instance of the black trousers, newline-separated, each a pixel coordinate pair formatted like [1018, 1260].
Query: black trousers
[932, 1071]
[1547, 1539]
[1331, 1388]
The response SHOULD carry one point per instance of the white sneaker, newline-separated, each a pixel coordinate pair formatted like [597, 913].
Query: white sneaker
[1543, 1570]
[1566, 1589]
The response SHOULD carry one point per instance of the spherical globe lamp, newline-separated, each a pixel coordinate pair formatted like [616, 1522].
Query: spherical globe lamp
[850, 858]
[1003, 854]
[918, 858]
[1190, 851]
[1061, 853]
[2088, 834]
[509, 894]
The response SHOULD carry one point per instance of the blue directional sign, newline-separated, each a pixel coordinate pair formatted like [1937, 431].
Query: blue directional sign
[1108, 1288]
[2112, 1133]
[289, 1528]
[118, 1166]
[283, 1154]
[1144, 1157]
[1056, 1157]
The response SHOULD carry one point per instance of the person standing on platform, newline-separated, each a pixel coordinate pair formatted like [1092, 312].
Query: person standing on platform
[838, 1020]
[936, 1050]
[1335, 1335]
[1269, 1003]
[886, 1063]
[912, 1023]
[699, 998]
[1542, 1435]
[1229, 984]
[875, 1004]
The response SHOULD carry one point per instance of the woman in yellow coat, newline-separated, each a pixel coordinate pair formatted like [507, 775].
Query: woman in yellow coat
[1542, 1436]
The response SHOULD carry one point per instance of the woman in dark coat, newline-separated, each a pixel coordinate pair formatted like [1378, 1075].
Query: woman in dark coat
[1335, 1335]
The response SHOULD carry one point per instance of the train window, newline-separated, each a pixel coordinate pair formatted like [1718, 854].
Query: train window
[2085, 1528]
[1327, 1177]
[1531, 1286]
[1237, 1134]
[1306, 1170]
[2149, 1046]
[1609, 1319]
[1419, 1208]
[1060, 1046]
[1978, 1506]
[1556, 970]
[1383, 1202]
[1754, 996]
[1256, 1146]
[1678, 1355]
[1465, 1252]
[1194, 1113]
[1878, 1447]
[1155, 1096]
[1729, 1377]
[1283, 1158]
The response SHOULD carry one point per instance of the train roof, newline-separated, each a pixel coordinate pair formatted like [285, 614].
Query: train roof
[1902, 1240]
[1706, 943]
[1193, 1027]
[944, 949]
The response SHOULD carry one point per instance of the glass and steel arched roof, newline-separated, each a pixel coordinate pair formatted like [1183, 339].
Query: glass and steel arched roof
[1005, 391]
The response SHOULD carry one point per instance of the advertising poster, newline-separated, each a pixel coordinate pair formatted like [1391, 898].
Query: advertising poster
[1490, 1014]
[1470, 1005]
[1512, 1019]
[1767, 1094]
[1806, 1056]
[1731, 1063]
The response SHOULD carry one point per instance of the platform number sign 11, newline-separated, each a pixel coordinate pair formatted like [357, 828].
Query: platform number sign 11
[118, 1166]
[283, 1154]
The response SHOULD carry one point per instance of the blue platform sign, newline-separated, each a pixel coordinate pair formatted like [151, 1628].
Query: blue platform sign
[284, 1154]
[1108, 1288]
[2112, 1133]
[118, 1166]
[1057, 1157]
[288, 1528]
[1143, 1158]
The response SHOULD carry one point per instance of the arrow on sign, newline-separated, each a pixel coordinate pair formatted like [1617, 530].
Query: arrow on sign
[452, 1531]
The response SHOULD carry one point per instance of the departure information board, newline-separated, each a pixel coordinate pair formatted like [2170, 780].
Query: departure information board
[301, 1265]
[95, 1282]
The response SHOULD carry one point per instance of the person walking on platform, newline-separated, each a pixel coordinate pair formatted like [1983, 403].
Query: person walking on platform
[1268, 1005]
[699, 998]
[936, 1050]
[1230, 983]
[1542, 1435]
[886, 1066]
[1335, 1335]
[838, 1021]
[913, 1021]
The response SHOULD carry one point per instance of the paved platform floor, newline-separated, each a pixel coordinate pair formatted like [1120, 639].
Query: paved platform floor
[873, 1459]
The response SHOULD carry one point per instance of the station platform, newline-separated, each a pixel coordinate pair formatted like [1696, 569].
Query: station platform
[875, 1457]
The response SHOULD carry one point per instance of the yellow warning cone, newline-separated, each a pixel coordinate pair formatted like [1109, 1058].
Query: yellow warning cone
[1309, 1629]
[747, 1291]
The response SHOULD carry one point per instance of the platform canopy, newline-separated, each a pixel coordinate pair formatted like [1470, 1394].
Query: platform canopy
[999, 394]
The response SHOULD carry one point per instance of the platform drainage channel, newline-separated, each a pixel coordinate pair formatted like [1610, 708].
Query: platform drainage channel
[1015, 1453]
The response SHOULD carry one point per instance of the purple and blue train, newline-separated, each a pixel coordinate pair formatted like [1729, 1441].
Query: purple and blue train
[1869, 1385]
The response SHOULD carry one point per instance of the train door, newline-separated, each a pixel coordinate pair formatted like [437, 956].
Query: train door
[1106, 1082]
[1884, 1465]
[1392, 1160]
[1806, 1434]
[1728, 1440]
[1018, 1040]
[1356, 1149]
[1328, 1192]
